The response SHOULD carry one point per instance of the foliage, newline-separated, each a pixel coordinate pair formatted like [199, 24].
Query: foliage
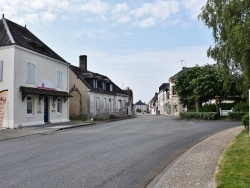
[199, 115]
[226, 106]
[201, 84]
[229, 21]
[236, 116]
[241, 107]
[208, 108]
[234, 164]
[245, 121]
[138, 110]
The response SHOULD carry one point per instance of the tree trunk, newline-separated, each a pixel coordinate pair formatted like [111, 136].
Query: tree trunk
[197, 104]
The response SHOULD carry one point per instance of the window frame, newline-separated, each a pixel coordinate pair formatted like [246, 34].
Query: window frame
[31, 73]
[1, 70]
[31, 101]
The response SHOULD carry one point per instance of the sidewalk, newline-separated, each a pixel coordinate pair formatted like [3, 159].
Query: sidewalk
[38, 129]
[6, 134]
[196, 167]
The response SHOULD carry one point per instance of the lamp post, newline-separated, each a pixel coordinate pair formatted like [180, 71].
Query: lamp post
[217, 107]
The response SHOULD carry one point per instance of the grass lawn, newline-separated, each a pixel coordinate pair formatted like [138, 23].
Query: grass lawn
[234, 164]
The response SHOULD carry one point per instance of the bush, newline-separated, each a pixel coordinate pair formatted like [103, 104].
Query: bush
[199, 115]
[245, 121]
[236, 115]
[241, 107]
[208, 108]
[226, 106]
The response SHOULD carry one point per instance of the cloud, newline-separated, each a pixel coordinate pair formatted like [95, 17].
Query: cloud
[193, 7]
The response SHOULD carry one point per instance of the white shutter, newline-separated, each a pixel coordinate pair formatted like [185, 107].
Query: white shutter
[28, 72]
[1, 70]
[33, 70]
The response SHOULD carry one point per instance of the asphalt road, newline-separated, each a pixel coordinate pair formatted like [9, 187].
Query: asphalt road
[128, 153]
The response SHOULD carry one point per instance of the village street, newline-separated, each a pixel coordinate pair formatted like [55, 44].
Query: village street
[127, 153]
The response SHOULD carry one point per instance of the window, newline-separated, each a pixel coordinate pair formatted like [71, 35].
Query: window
[119, 104]
[111, 87]
[103, 85]
[97, 103]
[1, 70]
[112, 104]
[30, 73]
[94, 83]
[29, 106]
[104, 103]
[59, 106]
[124, 104]
[173, 90]
[59, 79]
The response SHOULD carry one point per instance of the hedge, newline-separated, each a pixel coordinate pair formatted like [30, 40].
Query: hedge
[245, 121]
[236, 115]
[199, 115]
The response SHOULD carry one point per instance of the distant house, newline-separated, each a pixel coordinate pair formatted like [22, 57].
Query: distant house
[140, 106]
[94, 95]
[173, 105]
[163, 96]
[33, 79]
[153, 105]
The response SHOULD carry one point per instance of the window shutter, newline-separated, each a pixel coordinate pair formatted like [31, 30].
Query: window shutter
[33, 68]
[1, 70]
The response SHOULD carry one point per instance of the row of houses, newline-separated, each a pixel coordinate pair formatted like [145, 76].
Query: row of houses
[166, 101]
[37, 86]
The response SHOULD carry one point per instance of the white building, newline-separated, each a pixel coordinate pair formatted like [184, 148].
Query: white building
[163, 97]
[95, 95]
[173, 106]
[142, 107]
[33, 79]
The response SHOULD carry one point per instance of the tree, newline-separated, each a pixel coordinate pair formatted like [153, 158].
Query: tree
[229, 21]
[201, 84]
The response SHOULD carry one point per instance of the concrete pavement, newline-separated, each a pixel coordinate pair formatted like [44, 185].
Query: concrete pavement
[196, 167]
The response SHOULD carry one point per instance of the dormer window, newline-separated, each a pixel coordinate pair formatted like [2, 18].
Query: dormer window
[103, 85]
[111, 87]
[94, 83]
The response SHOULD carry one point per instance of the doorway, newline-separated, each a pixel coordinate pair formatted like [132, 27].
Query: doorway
[46, 110]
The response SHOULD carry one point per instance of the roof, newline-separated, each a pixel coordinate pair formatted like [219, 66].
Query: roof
[140, 103]
[154, 99]
[184, 69]
[87, 78]
[43, 92]
[12, 33]
[164, 87]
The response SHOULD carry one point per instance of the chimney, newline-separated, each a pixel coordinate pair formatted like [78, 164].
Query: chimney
[83, 62]
[3, 15]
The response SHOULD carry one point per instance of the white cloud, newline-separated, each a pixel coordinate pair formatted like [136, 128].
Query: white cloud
[193, 7]
[147, 22]
[94, 6]
[48, 17]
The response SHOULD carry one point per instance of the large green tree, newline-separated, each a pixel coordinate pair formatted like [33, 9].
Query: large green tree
[201, 84]
[229, 21]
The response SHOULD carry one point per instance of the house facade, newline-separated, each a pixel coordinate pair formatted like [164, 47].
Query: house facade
[33, 79]
[163, 97]
[130, 105]
[153, 105]
[141, 106]
[94, 95]
[173, 106]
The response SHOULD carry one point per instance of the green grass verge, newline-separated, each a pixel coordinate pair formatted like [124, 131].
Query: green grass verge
[233, 170]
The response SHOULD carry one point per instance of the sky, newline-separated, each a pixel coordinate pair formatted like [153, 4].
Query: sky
[138, 44]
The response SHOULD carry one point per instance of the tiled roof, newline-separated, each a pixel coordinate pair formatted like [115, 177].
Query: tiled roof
[87, 78]
[164, 86]
[12, 33]
[184, 69]
[140, 103]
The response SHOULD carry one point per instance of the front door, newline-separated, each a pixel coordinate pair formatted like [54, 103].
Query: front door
[46, 110]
